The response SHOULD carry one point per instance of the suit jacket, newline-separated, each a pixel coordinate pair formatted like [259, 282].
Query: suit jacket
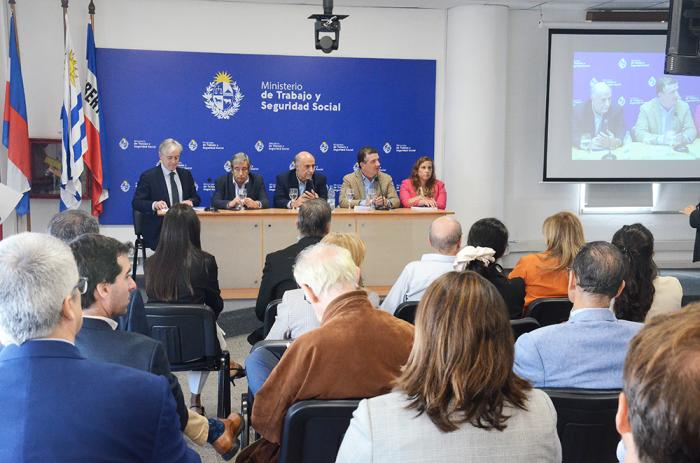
[226, 191]
[648, 126]
[354, 182]
[356, 352]
[587, 352]
[98, 341]
[152, 187]
[288, 180]
[277, 274]
[384, 430]
[584, 122]
[59, 407]
[695, 223]
[407, 191]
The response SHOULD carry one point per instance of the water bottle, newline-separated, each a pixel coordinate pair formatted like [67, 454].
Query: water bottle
[331, 198]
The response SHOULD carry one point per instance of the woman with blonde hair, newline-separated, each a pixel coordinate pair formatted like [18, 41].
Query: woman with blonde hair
[546, 273]
[457, 399]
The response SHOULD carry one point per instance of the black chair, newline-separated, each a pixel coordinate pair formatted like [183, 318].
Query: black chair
[270, 315]
[586, 424]
[139, 242]
[188, 333]
[523, 325]
[549, 310]
[314, 429]
[277, 348]
[407, 311]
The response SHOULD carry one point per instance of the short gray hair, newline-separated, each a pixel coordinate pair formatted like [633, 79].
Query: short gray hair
[72, 223]
[323, 267]
[37, 272]
[168, 145]
[445, 237]
[314, 218]
[240, 157]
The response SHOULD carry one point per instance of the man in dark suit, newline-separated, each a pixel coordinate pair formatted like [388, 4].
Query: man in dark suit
[693, 213]
[226, 195]
[161, 187]
[57, 405]
[600, 118]
[105, 263]
[309, 183]
[313, 223]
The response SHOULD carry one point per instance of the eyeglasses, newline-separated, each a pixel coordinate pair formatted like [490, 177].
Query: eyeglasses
[82, 285]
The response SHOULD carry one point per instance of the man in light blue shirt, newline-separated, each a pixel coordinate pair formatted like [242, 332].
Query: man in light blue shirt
[666, 119]
[446, 238]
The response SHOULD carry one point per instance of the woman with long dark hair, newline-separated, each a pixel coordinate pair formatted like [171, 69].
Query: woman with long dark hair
[646, 293]
[458, 399]
[422, 188]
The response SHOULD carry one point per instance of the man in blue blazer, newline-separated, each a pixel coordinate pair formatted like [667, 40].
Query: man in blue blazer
[57, 405]
[161, 187]
[588, 351]
[309, 183]
[226, 195]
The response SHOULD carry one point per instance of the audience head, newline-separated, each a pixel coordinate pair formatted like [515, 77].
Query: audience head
[314, 218]
[349, 241]
[169, 153]
[597, 275]
[240, 167]
[324, 272]
[180, 226]
[658, 414]
[563, 235]
[71, 223]
[423, 174]
[105, 263]
[600, 97]
[636, 243]
[368, 161]
[461, 367]
[305, 165]
[39, 289]
[445, 235]
[489, 233]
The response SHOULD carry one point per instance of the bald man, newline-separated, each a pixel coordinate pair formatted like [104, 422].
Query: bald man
[445, 236]
[599, 118]
[308, 183]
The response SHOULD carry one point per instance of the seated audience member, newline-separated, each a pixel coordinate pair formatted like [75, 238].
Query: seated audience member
[368, 185]
[545, 273]
[357, 351]
[457, 399]
[57, 405]
[296, 316]
[587, 351]
[313, 223]
[105, 263]
[308, 183]
[161, 187]
[646, 293]
[422, 188]
[693, 214]
[658, 415]
[600, 118]
[180, 272]
[445, 237]
[486, 243]
[229, 187]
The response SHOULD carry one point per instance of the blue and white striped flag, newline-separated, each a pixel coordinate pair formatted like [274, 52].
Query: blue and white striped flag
[73, 122]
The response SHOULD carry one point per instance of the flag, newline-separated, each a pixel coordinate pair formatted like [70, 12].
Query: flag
[93, 125]
[73, 123]
[15, 130]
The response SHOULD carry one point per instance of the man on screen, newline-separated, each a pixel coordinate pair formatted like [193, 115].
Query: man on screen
[598, 123]
[666, 119]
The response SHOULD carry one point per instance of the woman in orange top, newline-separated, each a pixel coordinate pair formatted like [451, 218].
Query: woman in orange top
[546, 273]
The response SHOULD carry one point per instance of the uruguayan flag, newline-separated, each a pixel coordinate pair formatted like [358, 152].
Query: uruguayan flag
[73, 122]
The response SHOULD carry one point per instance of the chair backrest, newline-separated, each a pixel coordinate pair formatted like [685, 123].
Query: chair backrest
[138, 221]
[523, 325]
[407, 311]
[586, 424]
[314, 429]
[270, 315]
[550, 310]
[187, 331]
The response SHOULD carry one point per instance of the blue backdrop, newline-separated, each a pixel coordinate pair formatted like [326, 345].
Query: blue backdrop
[270, 107]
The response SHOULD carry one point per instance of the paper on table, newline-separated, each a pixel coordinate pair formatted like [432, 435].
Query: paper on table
[8, 200]
[425, 209]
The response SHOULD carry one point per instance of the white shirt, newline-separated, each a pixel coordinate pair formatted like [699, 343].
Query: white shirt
[166, 174]
[415, 279]
[112, 323]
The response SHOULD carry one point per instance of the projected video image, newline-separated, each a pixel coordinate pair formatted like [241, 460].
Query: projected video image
[625, 108]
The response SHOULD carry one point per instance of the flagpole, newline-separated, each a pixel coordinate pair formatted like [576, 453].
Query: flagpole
[64, 5]
[91, 12]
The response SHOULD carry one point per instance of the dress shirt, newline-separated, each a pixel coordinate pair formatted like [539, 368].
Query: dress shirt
[245, 185]
[415, 279]
[166, 174]
[112, 324]
[301, 189]
[368, 184]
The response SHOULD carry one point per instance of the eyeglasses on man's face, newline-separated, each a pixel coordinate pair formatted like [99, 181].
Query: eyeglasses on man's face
[82, 285]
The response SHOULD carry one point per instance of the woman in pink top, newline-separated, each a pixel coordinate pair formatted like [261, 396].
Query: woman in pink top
[422, 188]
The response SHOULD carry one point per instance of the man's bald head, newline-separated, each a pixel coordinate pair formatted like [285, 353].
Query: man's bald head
[305, 165]
[446, 235]
[601, 95]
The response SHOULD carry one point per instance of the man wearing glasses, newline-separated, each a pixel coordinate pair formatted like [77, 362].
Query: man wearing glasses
[240, 189]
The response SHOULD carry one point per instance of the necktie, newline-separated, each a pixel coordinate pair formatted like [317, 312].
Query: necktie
[173, 189]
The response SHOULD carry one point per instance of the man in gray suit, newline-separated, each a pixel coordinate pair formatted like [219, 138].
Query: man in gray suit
[588, 351]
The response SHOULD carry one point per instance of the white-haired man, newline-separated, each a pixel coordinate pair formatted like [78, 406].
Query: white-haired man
[356, 352]
[124, 414]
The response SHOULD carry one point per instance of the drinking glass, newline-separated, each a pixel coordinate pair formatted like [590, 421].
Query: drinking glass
[349, 196]
[242, 195]
[293, 194]
[585, 141]
[371, 194]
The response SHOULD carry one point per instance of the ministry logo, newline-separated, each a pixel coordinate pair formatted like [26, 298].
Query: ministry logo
[622, 64]
[621, 101]
[291, 165]
[324, 147]
[125, 186]
[123, 143]
[387, 148]
[259, 146]
[192, 145]
[222, 96]
[227, 166]
[652, 81]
